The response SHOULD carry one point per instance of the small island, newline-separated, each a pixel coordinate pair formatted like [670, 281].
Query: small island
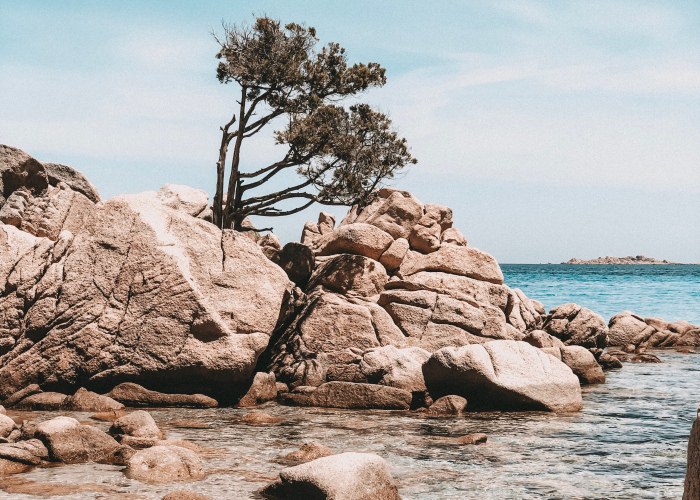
[639, 259]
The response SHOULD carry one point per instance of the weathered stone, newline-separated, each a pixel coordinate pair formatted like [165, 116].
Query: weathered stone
[462, 261]
[138, 424]
[135, 395]
[392, 258]
[42, 401]
[30, 452]
[352, 476]
[453, 236]
[692, 476]
[7, 425]
[476, 438]
[353, 396]
[8, 467]
[263, 389]
[70, 442]
[307, 452]
[297, 260]
[400, 368]
[503, 374]
[448, 405]
[583, 364]
[184, 198]
[259, 418]
[19, 395]
[576, 325]
[359, 239]
[540, 338]
[185, 495]
[351, 275]
[84, 400]
[395, 212]
[165, 464]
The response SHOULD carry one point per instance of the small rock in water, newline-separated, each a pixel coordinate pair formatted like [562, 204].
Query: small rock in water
[477, 438]
[263, 389]
[448, 405]
[260, 418]
[308, 451]
[165, 464]
[84, 400]
[185, 495]
[135, 395]
[8, 467]
[42, 401]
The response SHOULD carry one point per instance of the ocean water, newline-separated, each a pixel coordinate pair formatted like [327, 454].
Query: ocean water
[629, 442]
[669, 291]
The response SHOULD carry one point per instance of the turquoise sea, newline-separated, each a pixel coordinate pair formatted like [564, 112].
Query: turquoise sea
[669, 291]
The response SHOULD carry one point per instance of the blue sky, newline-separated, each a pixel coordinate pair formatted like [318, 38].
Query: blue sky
[553, 129]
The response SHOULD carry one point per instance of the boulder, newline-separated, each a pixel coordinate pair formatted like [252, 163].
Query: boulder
[359, 239]
[169, 298]
[138, 424]
[448, 405]
[297, 260]
[19, 395]
[352, 476]
[692, 475]
[425, 236]
[462, 261]
[393, 256]
[503, 374]
[42, 401]
[260, 418]
[185, 495]
[134, 395]
[30, 452]
[350, 275]
[7, 425]
[453, 236]
[395, 212]
[476, 438]
[576, 325]
[165, 464]
[352, 396]
[400, 368]
[184, 198]
[8, 467]
[263, 389]
[84, 400]
[70, 442]
[307, 452]
[628, 328]
[583, 364]
[540, 338]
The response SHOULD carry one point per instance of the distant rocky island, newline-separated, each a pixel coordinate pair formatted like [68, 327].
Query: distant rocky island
[638, 259]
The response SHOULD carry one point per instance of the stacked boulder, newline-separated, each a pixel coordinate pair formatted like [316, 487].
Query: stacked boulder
[629, 329]
[139, 288]
[393, 283]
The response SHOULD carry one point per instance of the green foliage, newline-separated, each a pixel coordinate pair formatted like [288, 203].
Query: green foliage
[342, 155]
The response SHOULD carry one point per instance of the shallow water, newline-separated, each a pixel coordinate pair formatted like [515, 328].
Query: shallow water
[628, 442]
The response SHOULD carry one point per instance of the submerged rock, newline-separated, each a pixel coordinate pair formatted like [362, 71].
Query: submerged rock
[165, 464]
[307, 452]
[138, 424]
[356, 476]
[505, 375]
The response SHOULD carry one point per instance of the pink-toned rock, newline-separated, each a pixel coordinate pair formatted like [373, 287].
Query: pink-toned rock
[134, 395]
[352, 396]
[448, 406]
[42, 401]
[165, 464]
[351, 275]
[540, 338]
[453, 236]
[583, 364]
[359, 239]
[307, 452]
[392, 258]
[576, 325]
[463, 261]
[138, 424]
[401, 368]
[263, 389]
[692, 476]
[84, 400]
[70, 442]
[395, 212]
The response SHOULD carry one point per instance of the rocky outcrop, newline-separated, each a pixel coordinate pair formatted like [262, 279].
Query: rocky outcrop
[692, 475]
[576, 325]
[629, 329]
[392, 283]
[356, 476]
[136, 289]
[503, 374]
[630, 259]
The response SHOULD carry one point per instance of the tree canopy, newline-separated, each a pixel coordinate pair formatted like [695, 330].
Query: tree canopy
[341, 155]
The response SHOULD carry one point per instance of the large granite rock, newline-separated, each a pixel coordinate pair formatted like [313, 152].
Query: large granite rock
[347, 476]
[503, 374]
[165, 464]
[576, 325]
[628, 328]
[68, 441]
[692, 475]
[351, 395]
[135, 289]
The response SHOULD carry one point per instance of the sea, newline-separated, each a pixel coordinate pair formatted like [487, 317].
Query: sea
[629, 442]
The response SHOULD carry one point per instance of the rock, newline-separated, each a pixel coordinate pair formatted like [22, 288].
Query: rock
[607, 361]
[165, 464]
[448, 405]
[135, 395]
[576, 325]
[393, 256]
[692, 476]
[132, 290]
[583, 364]
[540, 338]
[2, 410]
[351, 275]
[281, 387]
[185, 495]
[453, 236]
[184, 198]
[400, 368]
[18, 396]
[425, 236]
[297, 260]
[8, 467]
[70, 442]
[259, 418]
[42, 401]
[359, 239]
[84, 400]
[503, 374]
[78, 182]
[138, 424]
[629, 329]
[307, 452]
[270, 245]
[477, 438]
[7, 425]
[356, 476]
[263, 389]
[30, 452]
[462, 261]
[395, 212]
[352, 396]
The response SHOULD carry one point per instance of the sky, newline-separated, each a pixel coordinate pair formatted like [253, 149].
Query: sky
[553, 129]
